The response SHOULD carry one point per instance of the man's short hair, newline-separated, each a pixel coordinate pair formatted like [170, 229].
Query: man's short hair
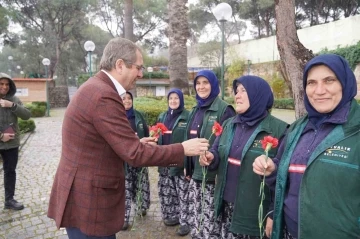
[118, 48]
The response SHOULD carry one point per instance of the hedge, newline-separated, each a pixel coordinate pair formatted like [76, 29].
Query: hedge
[37, 109]
[284, 104]
[26, 125]
[151, 107]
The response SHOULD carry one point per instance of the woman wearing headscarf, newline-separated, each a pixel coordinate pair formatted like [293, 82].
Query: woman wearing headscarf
[233, 153]
[172, 184]
[317, 177]
[209, 108]
[136, 179]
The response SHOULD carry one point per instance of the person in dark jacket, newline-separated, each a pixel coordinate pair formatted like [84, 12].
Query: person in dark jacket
[137, 186]
[317, 166]
[172, 184]
[11, 108]
[209, 108]
[233, 153]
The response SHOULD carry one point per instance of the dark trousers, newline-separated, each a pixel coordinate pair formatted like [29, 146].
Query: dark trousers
[75, 233]
[10, 159]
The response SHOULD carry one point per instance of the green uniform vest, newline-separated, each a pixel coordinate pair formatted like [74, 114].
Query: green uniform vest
[140, 128]
[140, 124]
[212, 114]
[177, 136]
[329, 198]
[245, 216]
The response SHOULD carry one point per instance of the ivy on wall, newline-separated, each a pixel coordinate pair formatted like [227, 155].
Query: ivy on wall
[350, 53]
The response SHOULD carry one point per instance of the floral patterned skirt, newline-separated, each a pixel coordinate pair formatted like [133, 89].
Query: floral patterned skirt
[169, 200]
[287, 234]
[136, 179]
[209, 228]
[182, 186]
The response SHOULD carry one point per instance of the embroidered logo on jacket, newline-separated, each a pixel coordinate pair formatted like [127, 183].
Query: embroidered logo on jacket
[182, 125]
[338, 151]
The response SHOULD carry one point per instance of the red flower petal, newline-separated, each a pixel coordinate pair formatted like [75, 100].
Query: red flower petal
[269, 140]
[217, 129]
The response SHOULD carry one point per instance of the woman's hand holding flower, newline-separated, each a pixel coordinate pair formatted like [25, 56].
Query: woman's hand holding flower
[261, 163]
[205, 160]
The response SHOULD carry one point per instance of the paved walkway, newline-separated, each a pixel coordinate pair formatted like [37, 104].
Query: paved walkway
[37, 165]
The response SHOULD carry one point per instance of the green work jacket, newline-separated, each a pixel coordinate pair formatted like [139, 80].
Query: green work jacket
[177, 136]
[245, 216]
[329, 198]
[212, 114]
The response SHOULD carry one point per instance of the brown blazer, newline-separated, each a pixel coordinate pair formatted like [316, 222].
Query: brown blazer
[89, 186]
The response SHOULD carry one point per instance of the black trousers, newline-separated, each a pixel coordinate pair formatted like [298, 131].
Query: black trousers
[10, 160]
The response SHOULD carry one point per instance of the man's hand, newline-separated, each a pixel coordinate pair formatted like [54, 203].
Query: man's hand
[260, 164]
[149, 140]
[205, 160]
[6, 103]
[7, 137]
[196, 146]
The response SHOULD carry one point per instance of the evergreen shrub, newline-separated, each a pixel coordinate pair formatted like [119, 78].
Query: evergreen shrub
[26, 125]
[37, 109]
[284, 103]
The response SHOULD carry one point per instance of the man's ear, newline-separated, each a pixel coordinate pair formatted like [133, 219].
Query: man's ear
[119, 65]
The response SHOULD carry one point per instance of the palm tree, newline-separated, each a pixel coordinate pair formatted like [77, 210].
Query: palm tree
[178, 34]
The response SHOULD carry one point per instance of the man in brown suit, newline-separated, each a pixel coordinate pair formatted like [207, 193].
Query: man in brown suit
[88, 193]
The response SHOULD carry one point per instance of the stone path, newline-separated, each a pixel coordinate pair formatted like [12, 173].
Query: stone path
[37, 165]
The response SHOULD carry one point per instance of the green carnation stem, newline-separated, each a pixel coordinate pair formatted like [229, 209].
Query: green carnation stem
[261, 218]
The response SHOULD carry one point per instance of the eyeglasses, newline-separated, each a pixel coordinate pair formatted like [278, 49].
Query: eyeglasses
[138, 67]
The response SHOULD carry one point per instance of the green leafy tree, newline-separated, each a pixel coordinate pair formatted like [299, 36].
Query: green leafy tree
[4, 22]
[350, 53]
[201, 15]
[53, 22]
[155, 60]
[261, 13]
[209, 53]
[321, 11]
[138, 20]
[278, 86]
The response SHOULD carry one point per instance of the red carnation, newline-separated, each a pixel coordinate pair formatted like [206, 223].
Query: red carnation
[269, 142]
[157, 129]
[217, 129]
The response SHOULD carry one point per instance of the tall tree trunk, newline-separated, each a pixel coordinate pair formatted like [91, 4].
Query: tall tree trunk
[178, 33]
[128, 20]
[129, 29]
[292, 52]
